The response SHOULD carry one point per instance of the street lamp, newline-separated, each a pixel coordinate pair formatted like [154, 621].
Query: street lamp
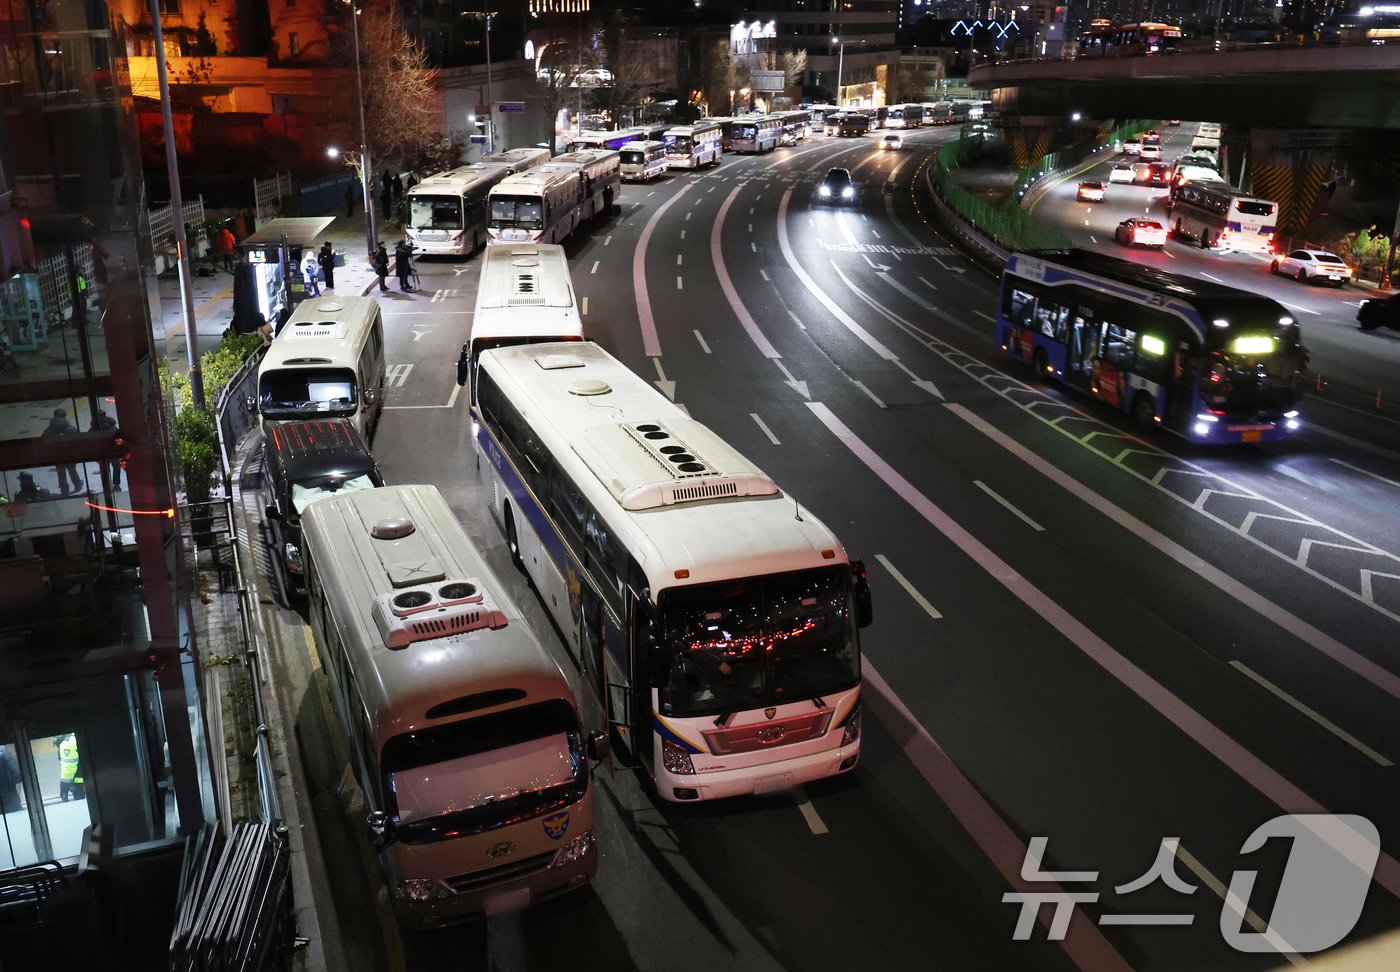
[370, 237]
[840, 63]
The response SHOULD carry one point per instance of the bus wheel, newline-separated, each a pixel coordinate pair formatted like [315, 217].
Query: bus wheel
[513, 542]
[1179, 233]
[607, 200]
[1205, 240]
[1041, 364]
[1144, 412]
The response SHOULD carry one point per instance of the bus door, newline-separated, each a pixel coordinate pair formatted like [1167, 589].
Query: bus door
[627, 684]
[1083, 345]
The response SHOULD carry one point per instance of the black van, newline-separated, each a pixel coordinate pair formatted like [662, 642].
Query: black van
[305, 461]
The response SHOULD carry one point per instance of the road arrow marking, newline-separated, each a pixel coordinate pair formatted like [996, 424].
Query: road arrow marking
[668, 388]
[877, 267]
[798, 386]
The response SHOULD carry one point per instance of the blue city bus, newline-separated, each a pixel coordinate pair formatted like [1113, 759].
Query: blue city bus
[1211, 363]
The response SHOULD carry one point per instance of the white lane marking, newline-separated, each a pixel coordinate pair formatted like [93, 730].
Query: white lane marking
[1085, 945]
[809, 813]
[680, 284]
[873, 232]
[678, 259]
[652, 193]
[796, 320]
[668, 388]
[988, 317]
[1298, 307]
[817, 292]
[1207, 735]
[1091, 237]
[607, 239]
[1233, 902]
[753, 246]
[926, 283]
[763, 273]
[846, 230]
[1367, 472]
[909, 588]
[1312, 714]
[396, 374]
[583, 308]
[1007, 503]
[1211, 277]
[646, 320]
[765, 429]
[595, 266]
[873, 398]
[1325, 644]
[682, 234]
[688, 215]
[751, 227]
[701, 338]
[726, 285]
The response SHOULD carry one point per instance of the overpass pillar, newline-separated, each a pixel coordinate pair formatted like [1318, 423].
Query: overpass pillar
[1290, 167]
[1030, 138]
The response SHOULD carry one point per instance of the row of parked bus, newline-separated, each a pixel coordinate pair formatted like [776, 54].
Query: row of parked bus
[711, 669]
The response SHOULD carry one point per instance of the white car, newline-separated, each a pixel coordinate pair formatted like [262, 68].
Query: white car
[891, 142]
[1090, 191]
[1305, 265]
[1121, 172]
[1132, 146]
[1150, 153]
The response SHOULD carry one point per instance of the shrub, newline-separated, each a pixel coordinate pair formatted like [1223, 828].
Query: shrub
[196, 438]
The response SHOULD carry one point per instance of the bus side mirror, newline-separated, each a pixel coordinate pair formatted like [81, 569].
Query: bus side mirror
[371, 395]
[271, 512]
[464, 361]
[864, 611]
[377, 823]
[597, 746]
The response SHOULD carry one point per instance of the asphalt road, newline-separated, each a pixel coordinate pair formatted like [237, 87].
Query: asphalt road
[1085, 643]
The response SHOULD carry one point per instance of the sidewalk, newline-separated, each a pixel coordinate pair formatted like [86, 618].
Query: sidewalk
[213, 291]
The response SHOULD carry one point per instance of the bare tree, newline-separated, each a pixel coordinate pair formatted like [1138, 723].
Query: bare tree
[720, 75]
[912, 84]
[556, 80]
[630, 79]
[794, 67]
[401, 113]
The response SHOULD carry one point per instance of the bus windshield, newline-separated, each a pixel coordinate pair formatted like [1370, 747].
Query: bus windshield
[434, 212]
[478, 774]
[523, 211]
[757, 642]
[290, 392]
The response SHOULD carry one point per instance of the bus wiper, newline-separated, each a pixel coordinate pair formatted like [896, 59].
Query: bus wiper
[806, 687]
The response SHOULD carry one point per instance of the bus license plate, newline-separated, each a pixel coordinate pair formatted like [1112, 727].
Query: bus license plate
[773, 784]
[1250, 436]
[497, 904]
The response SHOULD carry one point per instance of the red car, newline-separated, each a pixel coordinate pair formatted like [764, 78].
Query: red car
[1141, 232]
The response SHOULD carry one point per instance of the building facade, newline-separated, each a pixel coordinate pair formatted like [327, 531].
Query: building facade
[99, 710]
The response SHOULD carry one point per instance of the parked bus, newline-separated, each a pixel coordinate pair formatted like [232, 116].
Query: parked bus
[847, 124]
[726, 128]
[525, 295]
[757, 133]
[464, 735]
[937, 113]
[447, 211]
[795, 125]
[715, 617]
[904, 116]
[600, 172]
[642, 161]
[519, 159]
[540, 205]
[613, 140]
[1221, 217]
[1208, 362]
[691, 146]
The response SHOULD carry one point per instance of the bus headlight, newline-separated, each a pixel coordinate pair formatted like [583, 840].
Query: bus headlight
[676, 759]
[852, 733]
[576, 849]
[1291, 421]
[423, 889]
[294, 563]
[1203, 424]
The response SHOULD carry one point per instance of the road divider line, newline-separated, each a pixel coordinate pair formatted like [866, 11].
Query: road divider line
[726, 285]
[1233, 902]
[1007, 503]
[871, 394]
[763, 273]
[595, 266]
[1311, 713]
[1366, 472]
[583, 307]
[809, 812]
[701, 338]
[680, 283]
[909, 588]
[1248, 767]
[1086, 946]
[678, 259]
[651, 342]
[764, 428]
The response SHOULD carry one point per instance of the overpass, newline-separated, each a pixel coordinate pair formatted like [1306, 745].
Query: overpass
[1286, 108]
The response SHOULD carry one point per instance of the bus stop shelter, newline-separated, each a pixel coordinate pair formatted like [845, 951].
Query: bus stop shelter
[267, 282]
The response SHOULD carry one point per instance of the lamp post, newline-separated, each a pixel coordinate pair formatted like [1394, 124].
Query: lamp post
[490, 98]
[840, 63]
[370, 238]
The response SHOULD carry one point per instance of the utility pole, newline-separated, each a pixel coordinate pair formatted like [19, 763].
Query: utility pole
[177, 215]
[370, 236]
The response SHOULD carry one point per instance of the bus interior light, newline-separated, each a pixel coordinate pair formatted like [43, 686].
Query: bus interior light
[1220, 322]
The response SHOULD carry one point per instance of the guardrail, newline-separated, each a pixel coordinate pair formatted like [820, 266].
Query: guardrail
[1009, 226]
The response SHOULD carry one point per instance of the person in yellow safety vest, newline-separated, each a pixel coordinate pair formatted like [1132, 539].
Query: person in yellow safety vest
[70, 774]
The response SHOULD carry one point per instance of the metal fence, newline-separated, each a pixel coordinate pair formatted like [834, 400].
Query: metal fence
[235, 902]
[163, 225]
[268, 195]
[1008, 225]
